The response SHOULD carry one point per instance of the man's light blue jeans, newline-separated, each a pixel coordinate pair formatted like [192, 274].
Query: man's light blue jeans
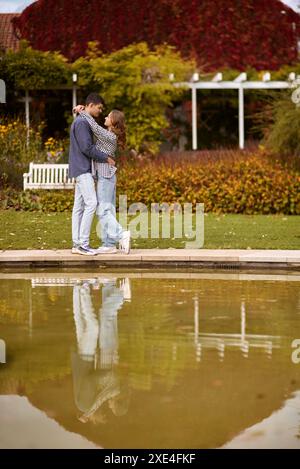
[85, 203]
[111, 230]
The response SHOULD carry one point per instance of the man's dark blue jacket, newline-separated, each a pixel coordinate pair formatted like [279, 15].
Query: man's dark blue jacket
[82, 148]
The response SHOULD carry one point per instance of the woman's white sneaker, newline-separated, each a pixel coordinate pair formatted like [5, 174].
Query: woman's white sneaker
[124, 243]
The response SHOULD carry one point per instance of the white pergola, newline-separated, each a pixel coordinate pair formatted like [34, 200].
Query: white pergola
[27, 98]
[240, 83]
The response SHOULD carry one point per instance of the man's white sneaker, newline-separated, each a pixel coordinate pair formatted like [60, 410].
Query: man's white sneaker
[124, 243]
[86, 251]
[106, 250]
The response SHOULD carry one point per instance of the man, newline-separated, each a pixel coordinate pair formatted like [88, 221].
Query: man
[82, 151]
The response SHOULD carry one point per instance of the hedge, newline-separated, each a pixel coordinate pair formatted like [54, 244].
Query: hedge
[249, 185]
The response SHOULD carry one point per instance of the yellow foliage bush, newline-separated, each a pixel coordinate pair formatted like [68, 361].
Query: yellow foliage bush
[249, 185]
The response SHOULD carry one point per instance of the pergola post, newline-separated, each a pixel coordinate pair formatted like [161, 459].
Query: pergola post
[194, 118]
[241, 119]
[74, 92]
[239, 80]
[74, 97]
[27, 114]
[27, 99]
[2, 92]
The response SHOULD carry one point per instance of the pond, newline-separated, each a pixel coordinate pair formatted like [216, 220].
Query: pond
[149, 359]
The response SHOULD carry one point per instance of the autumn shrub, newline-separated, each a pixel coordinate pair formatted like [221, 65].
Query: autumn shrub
[18, 148]
[252, 184]
[280, 123]
[249, 184]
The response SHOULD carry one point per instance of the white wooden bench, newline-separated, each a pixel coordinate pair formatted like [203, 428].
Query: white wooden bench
[47, 176]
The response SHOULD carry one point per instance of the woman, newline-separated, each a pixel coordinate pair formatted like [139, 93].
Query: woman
[108, 141]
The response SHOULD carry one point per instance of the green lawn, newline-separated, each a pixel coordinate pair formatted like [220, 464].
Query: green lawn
[35, 230]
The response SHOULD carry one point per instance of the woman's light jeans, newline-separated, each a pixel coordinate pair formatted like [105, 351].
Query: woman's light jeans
[111, 230]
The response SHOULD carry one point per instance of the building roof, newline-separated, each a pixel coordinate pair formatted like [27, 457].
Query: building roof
[8, 39]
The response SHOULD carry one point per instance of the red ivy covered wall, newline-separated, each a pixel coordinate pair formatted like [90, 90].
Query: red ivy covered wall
[218, 33]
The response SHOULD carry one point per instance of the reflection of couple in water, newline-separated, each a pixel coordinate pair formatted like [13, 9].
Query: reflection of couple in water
[97, 383]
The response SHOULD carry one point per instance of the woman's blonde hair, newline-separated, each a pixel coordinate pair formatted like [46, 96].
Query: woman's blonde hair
[118, 127]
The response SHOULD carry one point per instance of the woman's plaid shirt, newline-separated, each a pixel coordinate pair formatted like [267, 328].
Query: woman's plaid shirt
[106, 141]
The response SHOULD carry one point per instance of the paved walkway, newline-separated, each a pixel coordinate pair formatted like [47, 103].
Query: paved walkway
[235, 258]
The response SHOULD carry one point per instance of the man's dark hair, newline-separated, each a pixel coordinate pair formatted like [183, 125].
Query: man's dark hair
[94, 98]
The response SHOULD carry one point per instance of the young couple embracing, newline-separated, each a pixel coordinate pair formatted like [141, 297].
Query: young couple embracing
[92, 164]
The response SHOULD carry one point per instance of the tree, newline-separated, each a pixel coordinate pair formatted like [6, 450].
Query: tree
[136, 80]
[29, 69]
[237, 33]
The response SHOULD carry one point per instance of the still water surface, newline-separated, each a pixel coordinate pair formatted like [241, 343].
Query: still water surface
[146, 359]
